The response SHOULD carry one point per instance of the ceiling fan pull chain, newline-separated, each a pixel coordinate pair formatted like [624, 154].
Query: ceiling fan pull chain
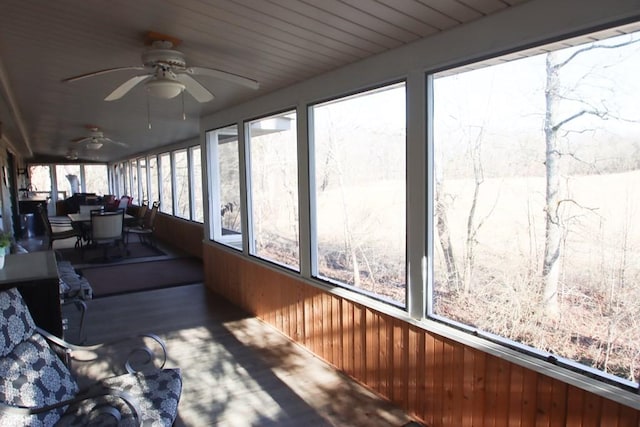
[184, 115]
[148, 113]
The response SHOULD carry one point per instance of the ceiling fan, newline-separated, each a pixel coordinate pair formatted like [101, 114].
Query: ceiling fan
[168, 74]
[96, 139]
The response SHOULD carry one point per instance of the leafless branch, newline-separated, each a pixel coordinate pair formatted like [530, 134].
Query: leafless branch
[592, 47]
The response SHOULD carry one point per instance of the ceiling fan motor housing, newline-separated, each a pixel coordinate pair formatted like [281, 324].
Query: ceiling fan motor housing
[162, 54]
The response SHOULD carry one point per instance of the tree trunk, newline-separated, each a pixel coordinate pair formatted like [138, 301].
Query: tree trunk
[453, 277]
[553, 227]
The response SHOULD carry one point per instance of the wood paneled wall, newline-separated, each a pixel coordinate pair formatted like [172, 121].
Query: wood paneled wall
[439, 381]
[185, 235]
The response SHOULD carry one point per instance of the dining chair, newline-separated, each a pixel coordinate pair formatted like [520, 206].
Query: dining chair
[64, 233]
[107, 229]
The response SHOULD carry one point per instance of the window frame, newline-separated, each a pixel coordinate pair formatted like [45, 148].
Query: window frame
[251, 241]
[553, 361]
[215, 233]
[313, 203]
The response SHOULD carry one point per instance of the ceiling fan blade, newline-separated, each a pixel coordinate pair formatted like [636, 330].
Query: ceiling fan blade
[125, 87]
[99, 72]
[199, 92]
[211, 72]
[81, 140]
[111, 141]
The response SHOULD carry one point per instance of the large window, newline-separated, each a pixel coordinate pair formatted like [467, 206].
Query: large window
[273, 186]
[68, 179]
[181, 175]
[358, 153]
[536, 173]
[134, 182]
[166, 183]
[95, 179]
[40, 177]
[154, 194]
[144, 190]
[224, 186]
[195, 162]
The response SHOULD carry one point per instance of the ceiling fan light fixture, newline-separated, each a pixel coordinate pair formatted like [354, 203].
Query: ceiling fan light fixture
[93, 145]
[164, 88]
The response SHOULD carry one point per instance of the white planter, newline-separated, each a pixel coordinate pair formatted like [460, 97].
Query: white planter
[1, 259]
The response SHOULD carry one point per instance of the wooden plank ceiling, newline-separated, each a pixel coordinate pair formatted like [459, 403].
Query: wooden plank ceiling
[276, 42]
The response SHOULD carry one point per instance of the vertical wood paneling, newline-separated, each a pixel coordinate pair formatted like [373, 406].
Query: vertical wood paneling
[448, 383]
[412, 366]
[503, 381]
[468, 368]
[558, 407]
[591, 410]
[308, 321]
[479, 386]
[628, 417]
[327, 330]
[543, 399]
[359, 337]
[574, 407]
[438, 382]
[457, 368]
[421, 374]
[441, 382]
[399, 368]
[529, 391]
[491, 391]
[372, 371]
[185, 235]
[336, 331]
[347, 341]
[516, 383]
[386, 350]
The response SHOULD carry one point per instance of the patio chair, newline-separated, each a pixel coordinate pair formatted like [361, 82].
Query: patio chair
[58, 234]
[37, 386]
[107, 229]
[145, 230]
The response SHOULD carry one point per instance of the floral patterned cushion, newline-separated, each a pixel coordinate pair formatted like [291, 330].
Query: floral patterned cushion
[156, 393]
[16, 323]
[32, 375]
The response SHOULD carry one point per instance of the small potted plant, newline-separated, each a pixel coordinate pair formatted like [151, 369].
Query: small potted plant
[5, 246]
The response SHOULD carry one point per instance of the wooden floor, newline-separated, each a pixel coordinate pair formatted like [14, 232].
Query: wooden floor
[237, 370]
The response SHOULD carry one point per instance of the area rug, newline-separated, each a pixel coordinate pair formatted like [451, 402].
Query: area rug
[140, 276]
[135, 250]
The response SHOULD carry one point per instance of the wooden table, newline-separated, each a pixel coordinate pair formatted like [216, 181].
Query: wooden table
[35, 274]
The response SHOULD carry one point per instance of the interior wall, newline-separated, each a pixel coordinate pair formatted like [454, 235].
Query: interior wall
[184, 235]
[440, 381]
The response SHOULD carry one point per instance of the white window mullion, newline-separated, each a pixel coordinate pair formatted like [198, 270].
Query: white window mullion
[416, 195]
[245, 198]
[304, 192]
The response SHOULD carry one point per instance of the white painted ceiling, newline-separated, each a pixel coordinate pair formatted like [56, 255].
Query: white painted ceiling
[276, 42]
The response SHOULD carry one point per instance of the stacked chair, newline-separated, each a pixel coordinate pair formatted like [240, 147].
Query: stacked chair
[37, 387]
[145, 224]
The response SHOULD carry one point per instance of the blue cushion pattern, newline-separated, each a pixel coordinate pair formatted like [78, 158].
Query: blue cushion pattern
[156, 393]
[33, 376]
[16, 323]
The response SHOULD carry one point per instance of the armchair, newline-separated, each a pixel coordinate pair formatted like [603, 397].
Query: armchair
[37, 387]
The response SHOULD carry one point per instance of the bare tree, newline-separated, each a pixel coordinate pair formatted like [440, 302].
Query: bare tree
[554, 124]
[442, 225]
